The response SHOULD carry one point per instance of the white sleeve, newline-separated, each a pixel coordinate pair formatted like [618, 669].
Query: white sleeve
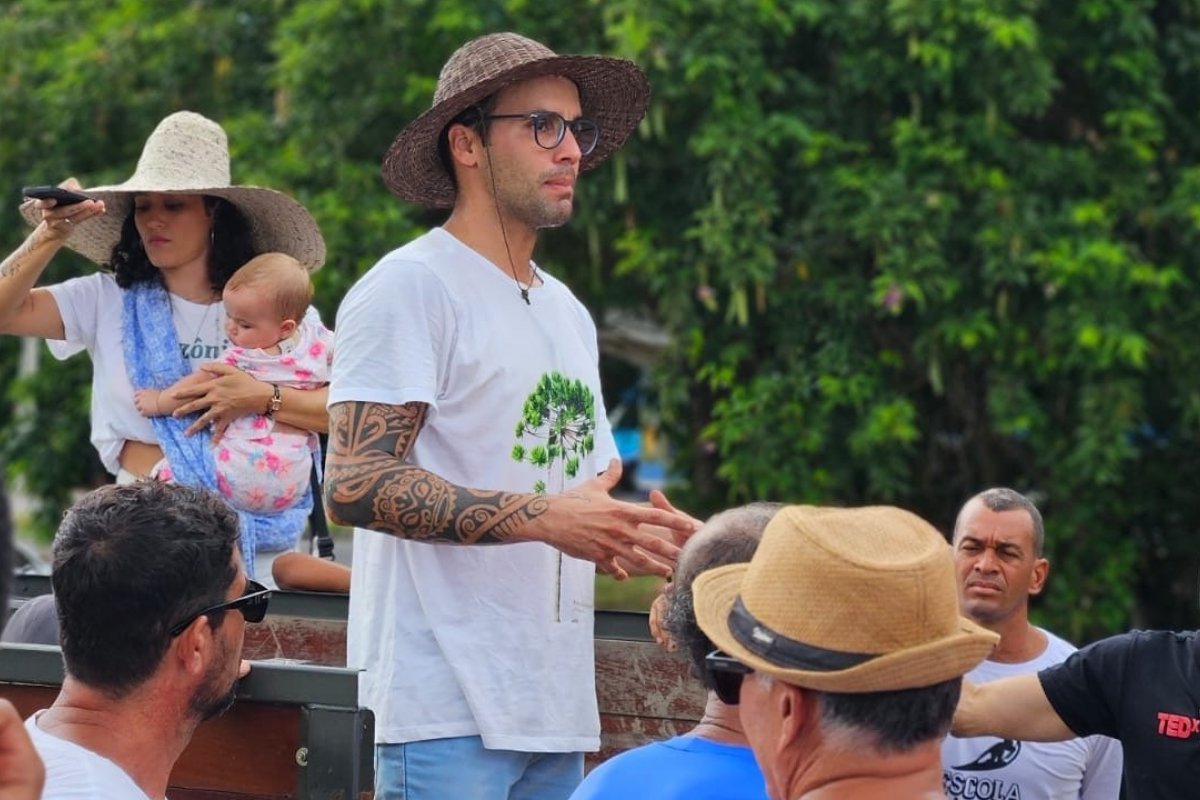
[1102, 770]
[79, 302]
[394, 337]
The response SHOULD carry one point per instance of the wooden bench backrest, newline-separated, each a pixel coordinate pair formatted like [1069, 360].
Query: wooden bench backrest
[644, 693]
[270, 745]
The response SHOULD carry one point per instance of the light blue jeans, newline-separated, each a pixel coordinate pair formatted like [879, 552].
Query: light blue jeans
[462, 769]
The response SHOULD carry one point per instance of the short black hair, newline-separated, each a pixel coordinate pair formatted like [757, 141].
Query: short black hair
[895, 721]
[734, 540]
[130, 562]
[1001, 498]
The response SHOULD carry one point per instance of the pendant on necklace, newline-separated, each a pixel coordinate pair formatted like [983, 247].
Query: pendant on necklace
[525, 296]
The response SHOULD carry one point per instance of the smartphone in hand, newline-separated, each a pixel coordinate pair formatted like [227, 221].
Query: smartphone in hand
[64, 197]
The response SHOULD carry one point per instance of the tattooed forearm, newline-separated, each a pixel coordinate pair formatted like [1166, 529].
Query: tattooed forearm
[16, 261]
[493, 517]
[371, 483]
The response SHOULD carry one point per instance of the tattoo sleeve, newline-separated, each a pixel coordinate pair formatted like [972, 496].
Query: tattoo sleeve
[15, 262]
[371, 483]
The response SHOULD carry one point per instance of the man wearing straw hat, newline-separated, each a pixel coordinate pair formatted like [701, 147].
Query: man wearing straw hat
[842, 642]
[466, 421]
[998, 544]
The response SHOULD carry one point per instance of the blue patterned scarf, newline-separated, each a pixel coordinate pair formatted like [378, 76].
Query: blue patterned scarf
[153, 360]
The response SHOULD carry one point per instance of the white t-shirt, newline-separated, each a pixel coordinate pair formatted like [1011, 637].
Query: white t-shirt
[491, 640]
[92, 310]
[1005, 769]
[76, 773]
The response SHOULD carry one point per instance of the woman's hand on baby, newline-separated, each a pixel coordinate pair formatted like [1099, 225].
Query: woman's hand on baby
[230, 395]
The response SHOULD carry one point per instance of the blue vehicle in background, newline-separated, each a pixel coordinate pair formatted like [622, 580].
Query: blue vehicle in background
[644, 455]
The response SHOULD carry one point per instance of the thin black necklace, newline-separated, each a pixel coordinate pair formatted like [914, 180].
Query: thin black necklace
[196, 334]
[533, 276]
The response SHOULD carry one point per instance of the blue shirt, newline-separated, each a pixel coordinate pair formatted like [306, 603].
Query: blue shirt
[686, 767]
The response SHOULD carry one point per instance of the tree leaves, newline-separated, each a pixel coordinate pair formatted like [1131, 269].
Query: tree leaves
[905, 250]
[561, 411]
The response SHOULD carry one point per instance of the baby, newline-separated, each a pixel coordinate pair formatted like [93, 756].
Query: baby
[262, 464]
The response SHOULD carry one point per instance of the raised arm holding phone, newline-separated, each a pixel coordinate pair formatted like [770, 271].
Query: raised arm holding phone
[171, 236]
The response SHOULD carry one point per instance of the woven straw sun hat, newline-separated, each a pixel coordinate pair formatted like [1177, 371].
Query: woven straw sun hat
[844, 600]
[613, 92]
[189, 154]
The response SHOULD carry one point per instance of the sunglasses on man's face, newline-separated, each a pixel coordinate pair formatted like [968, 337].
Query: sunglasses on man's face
[726, 674]
[252, 604]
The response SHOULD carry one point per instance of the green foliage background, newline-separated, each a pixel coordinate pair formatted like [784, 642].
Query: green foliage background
[906, 249]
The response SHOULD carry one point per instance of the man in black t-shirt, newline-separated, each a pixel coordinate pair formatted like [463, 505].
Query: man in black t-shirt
[1142, 688]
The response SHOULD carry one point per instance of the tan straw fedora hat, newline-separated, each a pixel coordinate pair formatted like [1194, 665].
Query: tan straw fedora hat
[844, 600]
[189, 154]
[613, 92]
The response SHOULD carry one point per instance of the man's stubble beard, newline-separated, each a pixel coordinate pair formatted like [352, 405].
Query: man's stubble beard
[521, 200]
[216, 694]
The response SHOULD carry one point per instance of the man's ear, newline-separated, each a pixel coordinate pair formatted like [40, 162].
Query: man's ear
[797, 707]
[465, 145]
[192, 648]
[1041, 571]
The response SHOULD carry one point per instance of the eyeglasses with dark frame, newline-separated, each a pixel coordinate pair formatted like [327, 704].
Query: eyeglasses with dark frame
[550, 128]
[726, 674]
[252, 603]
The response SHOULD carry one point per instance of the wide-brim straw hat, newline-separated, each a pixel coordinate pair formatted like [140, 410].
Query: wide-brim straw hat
[844, 600]
[189, 154]
[613, 93]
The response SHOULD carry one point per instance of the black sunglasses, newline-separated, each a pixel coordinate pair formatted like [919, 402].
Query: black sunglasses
[726, 674]
[252, 604]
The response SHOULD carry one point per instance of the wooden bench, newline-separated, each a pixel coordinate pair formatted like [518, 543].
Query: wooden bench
[294, 732]
[644, 693]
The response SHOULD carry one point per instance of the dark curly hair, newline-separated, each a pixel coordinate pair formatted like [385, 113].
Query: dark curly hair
[232, 247]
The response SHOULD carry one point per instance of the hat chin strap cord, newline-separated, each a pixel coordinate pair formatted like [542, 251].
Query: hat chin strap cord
[504, 234]
[784, 652]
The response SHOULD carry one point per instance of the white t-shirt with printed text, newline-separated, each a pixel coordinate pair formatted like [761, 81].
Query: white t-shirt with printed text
[76, 773]
[92, 311]
[489, 640]
[986, 767]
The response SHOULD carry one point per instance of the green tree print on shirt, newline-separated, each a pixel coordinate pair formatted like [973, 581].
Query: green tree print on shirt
[562, 413]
